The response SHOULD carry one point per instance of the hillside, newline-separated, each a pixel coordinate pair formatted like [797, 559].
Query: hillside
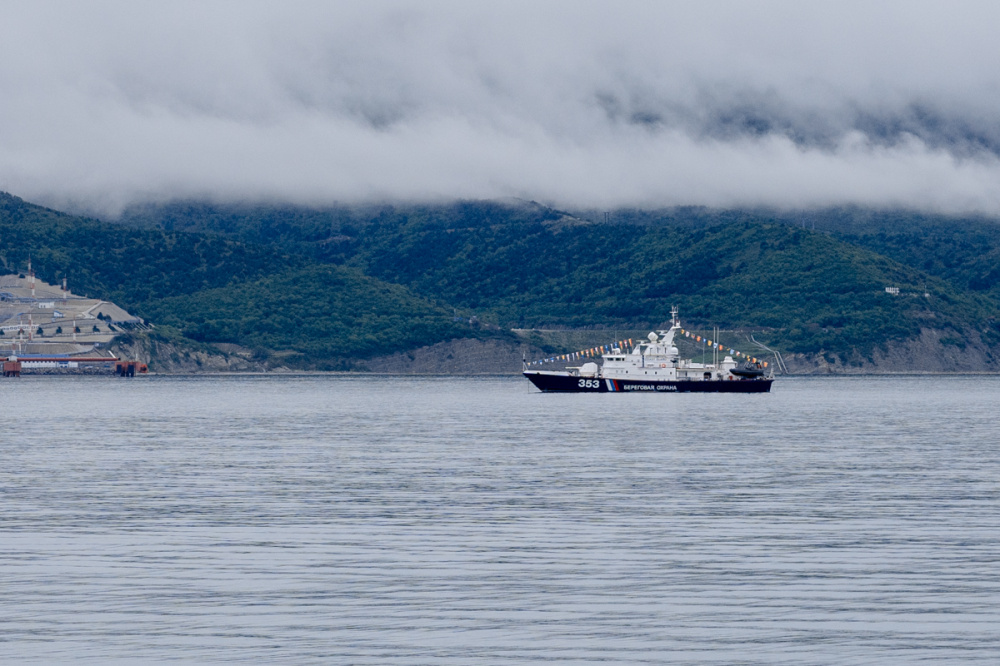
[323, 316]
[324, 288]
[130, 266]
[810, 283]
[214, 289]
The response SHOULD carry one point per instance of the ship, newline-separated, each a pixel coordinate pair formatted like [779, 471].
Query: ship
[655, 366]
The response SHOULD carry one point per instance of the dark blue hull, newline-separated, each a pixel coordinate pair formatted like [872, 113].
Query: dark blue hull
[570, 384]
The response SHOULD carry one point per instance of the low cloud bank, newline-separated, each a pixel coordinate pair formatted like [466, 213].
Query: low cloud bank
[575, 104]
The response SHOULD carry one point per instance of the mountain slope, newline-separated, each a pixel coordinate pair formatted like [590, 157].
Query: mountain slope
[814, 291]
[214, 289]
[521, 265]
[131, 266]
[322, 316]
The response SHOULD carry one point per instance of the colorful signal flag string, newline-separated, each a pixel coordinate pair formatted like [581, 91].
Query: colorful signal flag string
[593, 352]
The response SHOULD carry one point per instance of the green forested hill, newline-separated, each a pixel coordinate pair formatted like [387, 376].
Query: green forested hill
[814, 291]
[325, 284]
[215, 289]
[966, 252]
[815, 280]
[129, 266]
[322, 316]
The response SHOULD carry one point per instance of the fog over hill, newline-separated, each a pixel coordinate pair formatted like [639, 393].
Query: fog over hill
[585, 104]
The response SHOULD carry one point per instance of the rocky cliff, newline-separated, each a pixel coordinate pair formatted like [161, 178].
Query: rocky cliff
[933, 351]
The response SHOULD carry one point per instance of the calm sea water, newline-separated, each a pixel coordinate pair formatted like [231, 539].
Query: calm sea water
[390, 520]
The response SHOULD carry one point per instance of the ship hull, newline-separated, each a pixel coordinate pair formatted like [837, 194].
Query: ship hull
[566, 383]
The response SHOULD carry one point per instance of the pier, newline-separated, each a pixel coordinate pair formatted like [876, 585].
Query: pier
[13, 365]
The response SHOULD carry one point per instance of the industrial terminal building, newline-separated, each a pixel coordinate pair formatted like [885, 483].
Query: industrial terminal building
[42, 320]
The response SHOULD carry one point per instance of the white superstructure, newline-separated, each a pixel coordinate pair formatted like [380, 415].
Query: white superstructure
[657, 360]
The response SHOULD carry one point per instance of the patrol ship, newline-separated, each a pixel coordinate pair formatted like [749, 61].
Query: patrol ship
[655, 366]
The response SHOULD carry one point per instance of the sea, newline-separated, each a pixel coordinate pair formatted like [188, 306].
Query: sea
[344, 519]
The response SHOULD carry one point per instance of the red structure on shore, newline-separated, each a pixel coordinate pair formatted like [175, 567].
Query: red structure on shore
[12, 365]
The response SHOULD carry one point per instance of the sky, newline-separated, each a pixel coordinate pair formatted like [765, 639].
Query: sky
[894, 104]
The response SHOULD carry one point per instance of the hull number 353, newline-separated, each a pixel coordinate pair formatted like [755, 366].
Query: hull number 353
[589, 383]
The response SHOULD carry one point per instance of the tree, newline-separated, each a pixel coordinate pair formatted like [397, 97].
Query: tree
[58, 330]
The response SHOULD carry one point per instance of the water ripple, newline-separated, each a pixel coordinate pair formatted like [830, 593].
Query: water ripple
[377, 520]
